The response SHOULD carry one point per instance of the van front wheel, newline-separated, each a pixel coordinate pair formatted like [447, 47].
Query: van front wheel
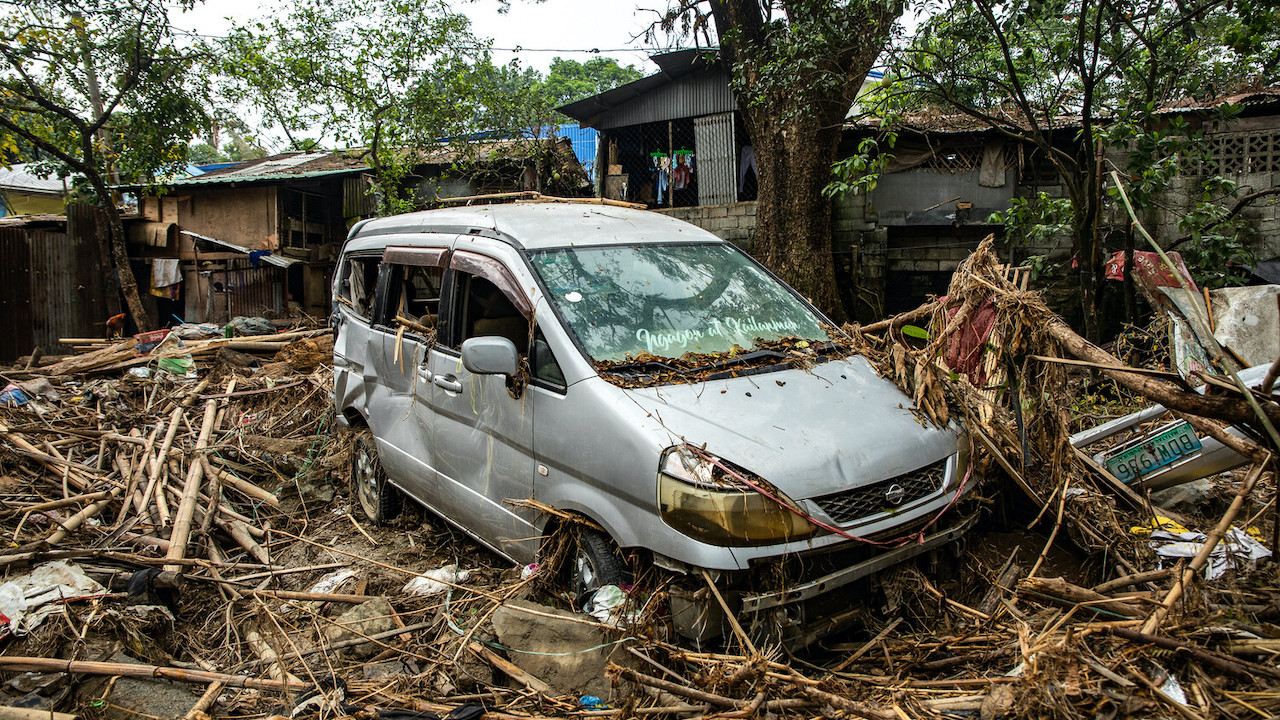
[596, 563]
[378, 499]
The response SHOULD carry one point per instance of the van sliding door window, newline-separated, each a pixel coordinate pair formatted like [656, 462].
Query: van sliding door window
[414, 278]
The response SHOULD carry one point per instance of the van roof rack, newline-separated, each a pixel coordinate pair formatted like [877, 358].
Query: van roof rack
[531, 196]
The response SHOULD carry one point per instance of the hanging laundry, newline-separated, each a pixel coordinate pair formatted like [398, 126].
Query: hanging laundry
[664, 175]
[683, 174]
[166, 278]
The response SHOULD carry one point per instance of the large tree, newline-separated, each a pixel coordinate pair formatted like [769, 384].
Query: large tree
[1070, 78]
[104, 89]
[796, 68]
[384, 75]
[569, 81]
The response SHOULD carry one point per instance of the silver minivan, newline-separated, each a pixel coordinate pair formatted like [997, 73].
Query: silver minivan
[635, 371]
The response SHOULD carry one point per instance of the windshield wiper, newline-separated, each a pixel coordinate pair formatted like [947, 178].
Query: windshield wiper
[744, 359]
[828, 347]
[639, 367]
[718, 367]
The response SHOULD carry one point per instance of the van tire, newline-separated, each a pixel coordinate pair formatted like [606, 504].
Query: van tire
[597, 563]
[377, 498]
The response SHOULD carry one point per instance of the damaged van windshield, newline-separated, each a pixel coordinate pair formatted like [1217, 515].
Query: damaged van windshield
[628, 302]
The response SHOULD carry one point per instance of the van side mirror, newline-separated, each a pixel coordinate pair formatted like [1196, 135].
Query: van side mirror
[490, 355]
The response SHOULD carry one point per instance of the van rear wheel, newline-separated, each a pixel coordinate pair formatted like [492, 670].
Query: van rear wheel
[597, 563]
[378, 499]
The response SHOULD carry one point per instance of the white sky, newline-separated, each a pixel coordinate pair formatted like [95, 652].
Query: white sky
[543, 30]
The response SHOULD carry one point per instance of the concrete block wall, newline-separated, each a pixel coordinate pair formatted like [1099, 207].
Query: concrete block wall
[735, 222]
[860, 245]
[1183, 193]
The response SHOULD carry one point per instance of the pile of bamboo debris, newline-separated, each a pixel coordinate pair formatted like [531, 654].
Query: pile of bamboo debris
[232, 491]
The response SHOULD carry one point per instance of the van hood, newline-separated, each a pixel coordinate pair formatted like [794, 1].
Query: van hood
[810, 432]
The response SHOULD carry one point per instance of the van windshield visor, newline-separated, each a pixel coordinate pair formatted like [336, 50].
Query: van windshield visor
[666, 301]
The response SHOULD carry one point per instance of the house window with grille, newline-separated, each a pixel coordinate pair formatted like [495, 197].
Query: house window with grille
[956, 159]
[1236, 153]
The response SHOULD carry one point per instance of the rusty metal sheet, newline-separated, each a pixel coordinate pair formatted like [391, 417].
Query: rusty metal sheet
[50, 288]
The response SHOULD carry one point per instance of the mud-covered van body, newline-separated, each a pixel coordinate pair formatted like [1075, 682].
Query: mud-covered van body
[543, 351]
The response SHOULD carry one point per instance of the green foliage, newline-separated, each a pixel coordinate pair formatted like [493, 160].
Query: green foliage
[393, 78]
[1034, 220]
[1166, 151]
[569, 81]
[860, 172]
[1067, 78]
[1218, 240]
[384, 75]
[101, 86]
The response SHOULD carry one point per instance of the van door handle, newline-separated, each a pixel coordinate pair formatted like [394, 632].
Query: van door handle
[448, 382]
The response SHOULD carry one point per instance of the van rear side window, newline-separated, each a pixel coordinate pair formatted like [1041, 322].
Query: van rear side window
[413, 298]
[360, 279]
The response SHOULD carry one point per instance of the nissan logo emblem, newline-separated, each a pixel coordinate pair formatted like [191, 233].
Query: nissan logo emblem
[895, 494]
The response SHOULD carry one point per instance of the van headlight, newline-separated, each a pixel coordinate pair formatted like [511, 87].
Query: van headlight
[701, 500]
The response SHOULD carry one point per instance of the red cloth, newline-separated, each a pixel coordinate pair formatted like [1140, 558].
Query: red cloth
[964, 348]
[1149, 269]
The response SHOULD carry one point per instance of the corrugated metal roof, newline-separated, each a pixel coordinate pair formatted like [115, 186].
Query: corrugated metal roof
[1247, 99]
[284, 166]
[32, 220]
[300, 165]
[266, 257]
[669, 94]
[18, 177]
[946, 123]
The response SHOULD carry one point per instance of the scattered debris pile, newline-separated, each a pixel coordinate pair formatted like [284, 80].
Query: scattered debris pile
[182, 544]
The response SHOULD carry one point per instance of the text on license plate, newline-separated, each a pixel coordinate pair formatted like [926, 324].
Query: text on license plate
[1165, 446]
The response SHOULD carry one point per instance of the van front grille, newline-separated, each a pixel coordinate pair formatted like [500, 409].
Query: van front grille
[885, 496]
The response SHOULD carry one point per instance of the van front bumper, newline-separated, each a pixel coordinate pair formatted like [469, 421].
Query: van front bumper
[795, 614]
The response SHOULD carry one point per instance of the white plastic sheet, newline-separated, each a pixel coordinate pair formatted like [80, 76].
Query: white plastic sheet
[1236, 550]
[435, 581]
[27, 600]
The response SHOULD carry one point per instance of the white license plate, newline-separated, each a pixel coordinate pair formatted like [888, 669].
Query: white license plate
[1134, 461]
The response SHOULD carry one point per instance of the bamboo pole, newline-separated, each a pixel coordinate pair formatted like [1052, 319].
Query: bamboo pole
[158, 462]
[82, 667]
[190, 492]
[78, 519]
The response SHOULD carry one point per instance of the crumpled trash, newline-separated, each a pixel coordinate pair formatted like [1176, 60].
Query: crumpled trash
[26, 600]
[12, 396]
[183, 366]
[435, 581]
[252, 326]
[1169, 684]
[1158, 522]
[591, 702]
[192, 331]
[529, 571]
[330, 582]
[606, 603]
[1236, 550]
[40, 388]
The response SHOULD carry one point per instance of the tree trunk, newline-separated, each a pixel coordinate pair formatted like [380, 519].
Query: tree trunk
[794, 112]
[120, 254]
[793, 217]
